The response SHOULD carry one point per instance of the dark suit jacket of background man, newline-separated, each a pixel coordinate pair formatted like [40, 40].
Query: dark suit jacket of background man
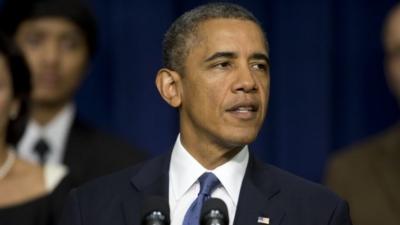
[367, 175]
[90, 153]
[266, 191]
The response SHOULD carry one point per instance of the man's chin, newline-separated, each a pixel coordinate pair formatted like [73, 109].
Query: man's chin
[244, 135]
[48, 101]
[238, 142]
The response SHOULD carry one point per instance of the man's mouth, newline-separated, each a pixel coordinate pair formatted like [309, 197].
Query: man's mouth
[47, 80]
[244, 111]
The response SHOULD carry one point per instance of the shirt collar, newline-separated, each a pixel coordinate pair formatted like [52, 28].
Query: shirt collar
[231, 173]
[56, 130]
[185, 170]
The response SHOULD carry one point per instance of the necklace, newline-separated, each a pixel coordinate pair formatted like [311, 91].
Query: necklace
[7, 165]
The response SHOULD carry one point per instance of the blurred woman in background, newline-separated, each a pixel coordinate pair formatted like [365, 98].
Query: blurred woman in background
[25, 188]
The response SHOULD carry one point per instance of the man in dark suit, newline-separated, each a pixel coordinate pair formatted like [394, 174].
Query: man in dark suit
[367, 174]
[216, 72]
[58, 39]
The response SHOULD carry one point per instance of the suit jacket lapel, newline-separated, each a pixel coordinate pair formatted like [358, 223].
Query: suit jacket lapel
[151, 180]
[256, 197]
[74, 146]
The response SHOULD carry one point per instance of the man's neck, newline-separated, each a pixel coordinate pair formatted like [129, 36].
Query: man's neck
[209, 155]
[44, 113]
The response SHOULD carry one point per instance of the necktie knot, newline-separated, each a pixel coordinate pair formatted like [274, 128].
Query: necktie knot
[208, 182]
[42, 149]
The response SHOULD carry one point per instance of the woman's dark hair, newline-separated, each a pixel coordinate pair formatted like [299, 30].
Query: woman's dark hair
[21, 87]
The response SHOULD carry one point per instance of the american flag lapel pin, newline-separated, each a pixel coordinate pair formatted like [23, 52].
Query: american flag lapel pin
[263, 220]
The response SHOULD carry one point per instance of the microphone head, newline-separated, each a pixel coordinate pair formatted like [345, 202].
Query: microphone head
[214, 212]
[155, 211]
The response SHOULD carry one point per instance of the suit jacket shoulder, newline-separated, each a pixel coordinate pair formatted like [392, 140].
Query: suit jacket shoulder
[117, 198]
[362, 159]
[369, 148]
[284, 198]
[91, 153]
[366, 174]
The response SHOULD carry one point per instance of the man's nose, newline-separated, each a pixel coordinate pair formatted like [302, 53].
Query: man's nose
[245, 81]
[51, 54]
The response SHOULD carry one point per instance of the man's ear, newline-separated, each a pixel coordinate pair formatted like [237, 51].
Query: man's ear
[168, 83]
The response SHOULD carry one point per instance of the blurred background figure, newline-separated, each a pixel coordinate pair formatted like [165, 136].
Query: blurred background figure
[58, 39]
[26, 189]
[367, 174]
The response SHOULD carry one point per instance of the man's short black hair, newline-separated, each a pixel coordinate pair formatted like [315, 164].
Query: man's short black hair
[179, 38]
[21, 85]
[14, 12]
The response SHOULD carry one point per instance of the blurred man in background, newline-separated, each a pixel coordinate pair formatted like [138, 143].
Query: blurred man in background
[58, 39]
[367, 174]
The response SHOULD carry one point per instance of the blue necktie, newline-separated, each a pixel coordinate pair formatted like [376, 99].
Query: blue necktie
[208, 182]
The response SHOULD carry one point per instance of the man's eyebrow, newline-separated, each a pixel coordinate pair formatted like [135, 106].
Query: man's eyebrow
[221, 55]
[260, 56]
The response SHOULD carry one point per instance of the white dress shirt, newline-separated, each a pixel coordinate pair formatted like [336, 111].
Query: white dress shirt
[183, 185]
[55, 133]
[53, 175]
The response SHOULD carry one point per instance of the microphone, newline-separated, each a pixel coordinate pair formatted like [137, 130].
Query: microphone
[214, 212]
[155, 211]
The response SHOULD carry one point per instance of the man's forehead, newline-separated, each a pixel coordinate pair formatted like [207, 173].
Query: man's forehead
[225, 33]
[49, 23]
